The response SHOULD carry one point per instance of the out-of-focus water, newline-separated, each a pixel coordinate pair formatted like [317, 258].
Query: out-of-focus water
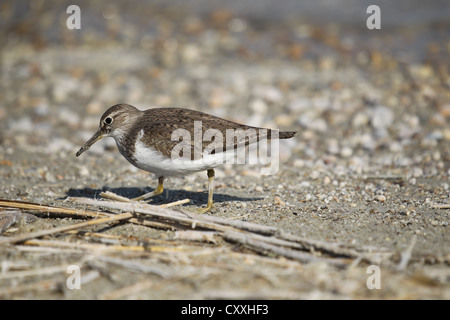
[408, 27]
[393, 13]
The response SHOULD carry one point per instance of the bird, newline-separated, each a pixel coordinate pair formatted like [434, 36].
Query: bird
[176, 141]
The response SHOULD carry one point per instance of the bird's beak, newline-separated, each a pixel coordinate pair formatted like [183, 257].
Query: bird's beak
[97, 136]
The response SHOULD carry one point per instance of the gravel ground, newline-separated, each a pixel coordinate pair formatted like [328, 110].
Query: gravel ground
[370, 163]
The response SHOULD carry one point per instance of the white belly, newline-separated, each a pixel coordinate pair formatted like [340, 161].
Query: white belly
[149, 159]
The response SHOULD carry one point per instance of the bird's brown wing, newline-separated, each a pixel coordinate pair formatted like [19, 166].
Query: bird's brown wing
[169, 128]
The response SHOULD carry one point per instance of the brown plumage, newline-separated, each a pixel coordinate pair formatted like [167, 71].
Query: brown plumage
[159, 124]
[147, 139]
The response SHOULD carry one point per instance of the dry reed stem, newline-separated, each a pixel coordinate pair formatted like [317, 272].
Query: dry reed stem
[41, 233]
[49, 209]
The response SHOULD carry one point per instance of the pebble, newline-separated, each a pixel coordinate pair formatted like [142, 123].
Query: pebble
[258, 106]
[190, 53]
[314, 175]
[333, 146]
[381, 117]
[346, 152]
[278, 202]
[361, 119]
[284, 121]
[417, 172]
[83, 171]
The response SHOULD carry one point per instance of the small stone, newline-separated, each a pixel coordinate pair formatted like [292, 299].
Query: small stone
[395, 146]
[446, 134]
[284, 120]
[333, 146]
[361, 119]
[278, 202]
[319, 125]
[49, 177]
[314, 175]
[300, 163]
[346, 152]
[305, 184]
[417, 172]
[84, 171]
[258, 106]
[381, 198]
[190, 53]
[94, 108]
[381, 117]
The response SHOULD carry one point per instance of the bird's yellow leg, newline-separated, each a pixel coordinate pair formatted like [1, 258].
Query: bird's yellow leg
[210, 192]
[155, 192]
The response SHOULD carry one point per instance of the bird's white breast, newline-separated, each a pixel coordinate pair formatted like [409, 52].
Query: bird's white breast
[150, 159]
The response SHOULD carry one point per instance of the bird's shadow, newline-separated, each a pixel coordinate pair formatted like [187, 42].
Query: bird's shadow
[169, 195]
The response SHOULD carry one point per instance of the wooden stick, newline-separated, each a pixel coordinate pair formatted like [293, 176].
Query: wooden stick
[194, 219]
[264, 247]
[49, 209]
[368, 253]
[191, 235]
[155, 212]
[243, 225]
[41, 233]
[134, 206]
[152, 224]
[34, 272]
[332, 248]
[112, 196]
[175, 203]
[43, 209]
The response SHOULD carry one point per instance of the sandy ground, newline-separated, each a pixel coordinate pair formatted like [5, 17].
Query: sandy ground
[369, 168]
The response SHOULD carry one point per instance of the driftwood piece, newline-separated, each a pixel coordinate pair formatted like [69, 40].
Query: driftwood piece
[41, 233]
[265, 247]
[40, 208]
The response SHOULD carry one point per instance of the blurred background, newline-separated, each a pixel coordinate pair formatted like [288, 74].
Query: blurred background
[355, 93]
[372, 107]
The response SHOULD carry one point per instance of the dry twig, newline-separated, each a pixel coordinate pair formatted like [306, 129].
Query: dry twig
[41, 233]
[39, 208]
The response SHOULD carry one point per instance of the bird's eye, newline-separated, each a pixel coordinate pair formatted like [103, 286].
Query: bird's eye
[108, 120]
